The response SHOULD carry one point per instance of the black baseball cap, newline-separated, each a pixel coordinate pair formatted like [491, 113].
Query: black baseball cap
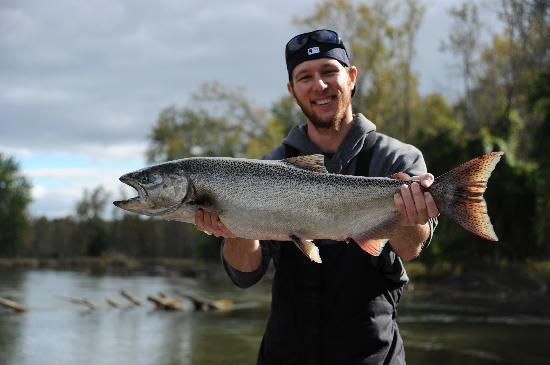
[322, 43]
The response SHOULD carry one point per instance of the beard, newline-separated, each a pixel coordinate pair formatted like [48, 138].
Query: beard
[343, 100]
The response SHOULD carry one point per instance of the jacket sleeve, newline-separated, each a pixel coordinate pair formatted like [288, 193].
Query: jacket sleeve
[412, 162]
[247, 279]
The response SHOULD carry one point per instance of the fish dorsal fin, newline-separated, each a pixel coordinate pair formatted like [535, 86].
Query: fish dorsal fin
[310, 162]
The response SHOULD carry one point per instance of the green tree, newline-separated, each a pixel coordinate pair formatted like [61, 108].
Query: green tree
[285, 114]
[93, 204]
[89, 211]
[504, 108]
[538, 102]
[221, 122]
[14, 198]
[465, 43]
[57, 237]
[376, 32]
[414, 13]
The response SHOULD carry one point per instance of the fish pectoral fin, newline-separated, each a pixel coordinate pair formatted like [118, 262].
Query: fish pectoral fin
[376, 238]
[310, 162]
[373, 246]
[307, 247]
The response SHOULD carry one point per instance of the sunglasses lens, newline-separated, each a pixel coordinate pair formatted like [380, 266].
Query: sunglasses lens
[321, 36]
[326, 36]
[297, 42]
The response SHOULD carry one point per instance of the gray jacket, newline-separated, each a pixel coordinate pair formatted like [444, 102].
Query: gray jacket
[389, 156]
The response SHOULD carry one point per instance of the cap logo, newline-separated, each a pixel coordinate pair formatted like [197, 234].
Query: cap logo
[313, 50]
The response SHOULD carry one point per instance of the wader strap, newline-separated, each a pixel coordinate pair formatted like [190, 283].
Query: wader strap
[363, 158]
[291, 151]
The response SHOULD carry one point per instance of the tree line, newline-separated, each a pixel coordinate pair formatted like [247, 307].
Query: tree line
[504, 106]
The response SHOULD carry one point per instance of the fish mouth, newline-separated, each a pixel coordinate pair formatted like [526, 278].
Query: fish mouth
[141, 204]
[140, 199]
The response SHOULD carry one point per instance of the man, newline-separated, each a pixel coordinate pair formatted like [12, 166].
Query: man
[343, 310]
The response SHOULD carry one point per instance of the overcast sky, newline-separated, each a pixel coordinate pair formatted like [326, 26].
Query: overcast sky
[82, 82]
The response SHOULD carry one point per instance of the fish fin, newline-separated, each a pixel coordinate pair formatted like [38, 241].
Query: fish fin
[373, 246]
[374, 240]
[192, 197]
[310, 162]
[308, 248]
[459, 194]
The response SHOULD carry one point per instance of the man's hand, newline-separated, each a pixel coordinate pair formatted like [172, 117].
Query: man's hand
[241, 254]
[414, 206]
[210, 222]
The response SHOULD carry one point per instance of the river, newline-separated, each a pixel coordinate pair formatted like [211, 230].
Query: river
[439, 326]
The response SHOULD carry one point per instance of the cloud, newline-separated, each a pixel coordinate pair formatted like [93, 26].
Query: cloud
[54, 197]
[82, 82]
[81, 73]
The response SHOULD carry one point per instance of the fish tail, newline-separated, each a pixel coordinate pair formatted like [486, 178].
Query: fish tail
[459, 194]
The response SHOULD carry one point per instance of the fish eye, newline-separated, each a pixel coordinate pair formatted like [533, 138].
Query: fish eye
[144, 179]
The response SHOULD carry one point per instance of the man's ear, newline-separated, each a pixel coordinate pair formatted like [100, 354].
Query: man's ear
[352, 73]
[290, 89]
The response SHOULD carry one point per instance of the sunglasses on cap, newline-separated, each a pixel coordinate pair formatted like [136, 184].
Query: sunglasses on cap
[321, 36]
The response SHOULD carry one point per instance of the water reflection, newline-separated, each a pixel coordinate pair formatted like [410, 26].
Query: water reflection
[12, 287]
[450, 327]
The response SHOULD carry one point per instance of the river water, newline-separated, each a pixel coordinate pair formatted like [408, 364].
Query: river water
[438, 326]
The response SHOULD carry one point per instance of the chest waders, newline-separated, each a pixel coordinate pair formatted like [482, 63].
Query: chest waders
[339, 312]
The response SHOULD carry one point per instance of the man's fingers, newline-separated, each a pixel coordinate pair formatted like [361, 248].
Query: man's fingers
[426, 180]
[409, 203]
[420, 204]
[224, 231]
[210, 223]
[199, 219]
[221, 229]
[400, 205]
[433, 212]
[203, 221]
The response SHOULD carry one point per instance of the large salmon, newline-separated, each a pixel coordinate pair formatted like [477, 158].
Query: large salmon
[297, 199]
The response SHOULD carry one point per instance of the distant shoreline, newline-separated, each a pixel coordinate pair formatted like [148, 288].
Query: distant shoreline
[532, 275]
[117, 264]
[509, 283]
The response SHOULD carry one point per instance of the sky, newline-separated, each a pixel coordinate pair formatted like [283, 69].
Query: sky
[82, 82]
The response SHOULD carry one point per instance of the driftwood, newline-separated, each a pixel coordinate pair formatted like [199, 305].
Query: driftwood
[203, 304]
[12, 305]
[161, 301]
[82, 301]
[112, 303]
[132, 298]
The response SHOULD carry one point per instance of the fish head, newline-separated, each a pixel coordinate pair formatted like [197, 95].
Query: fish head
[160, 192]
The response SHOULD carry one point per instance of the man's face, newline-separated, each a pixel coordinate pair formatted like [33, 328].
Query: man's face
[322, 88]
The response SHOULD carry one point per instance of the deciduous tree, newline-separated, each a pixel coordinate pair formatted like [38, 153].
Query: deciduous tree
[15, 196]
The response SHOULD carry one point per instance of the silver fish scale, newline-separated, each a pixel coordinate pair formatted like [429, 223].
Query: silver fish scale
[273, 200]
[277, 200]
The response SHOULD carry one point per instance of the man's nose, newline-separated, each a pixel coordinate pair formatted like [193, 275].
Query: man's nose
[319, 84]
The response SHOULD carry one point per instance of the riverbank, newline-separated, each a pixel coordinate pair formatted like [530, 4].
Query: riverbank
[117, 264]
[532, 276]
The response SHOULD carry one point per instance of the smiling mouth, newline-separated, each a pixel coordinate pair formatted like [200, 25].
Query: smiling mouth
[324, 101]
